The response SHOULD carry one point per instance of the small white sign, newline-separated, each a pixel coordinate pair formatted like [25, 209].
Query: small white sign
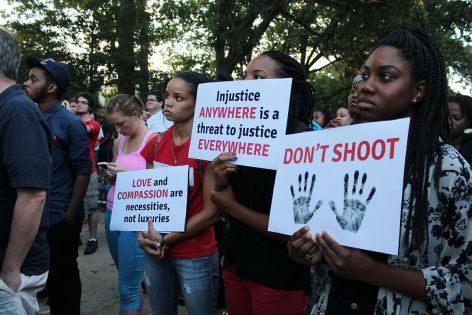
[243, 117]
[157, 194]
[347, 181]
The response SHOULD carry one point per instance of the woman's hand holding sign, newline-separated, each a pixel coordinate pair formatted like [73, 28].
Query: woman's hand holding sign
[303, 247]
[146, 241]
[350, 263]
[306, 249]
[223, 168]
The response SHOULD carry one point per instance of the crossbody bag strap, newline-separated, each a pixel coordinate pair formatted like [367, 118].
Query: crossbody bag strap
[159, 137]
[201, 170]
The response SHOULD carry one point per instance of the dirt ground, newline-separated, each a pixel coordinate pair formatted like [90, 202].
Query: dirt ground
[100, 280]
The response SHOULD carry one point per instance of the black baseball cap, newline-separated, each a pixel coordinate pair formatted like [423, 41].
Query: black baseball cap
[55, 69]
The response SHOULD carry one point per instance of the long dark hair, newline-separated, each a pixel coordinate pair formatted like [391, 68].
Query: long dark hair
[465, 104]
[428, 128]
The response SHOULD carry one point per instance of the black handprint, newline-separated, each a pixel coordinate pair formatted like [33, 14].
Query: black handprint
[354, 208]
[301, 204]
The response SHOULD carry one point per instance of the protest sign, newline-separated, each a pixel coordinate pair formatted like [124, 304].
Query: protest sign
[243, 117]
[156, 194]
[347, 181]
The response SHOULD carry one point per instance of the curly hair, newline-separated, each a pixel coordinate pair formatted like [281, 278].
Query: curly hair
[92, 101]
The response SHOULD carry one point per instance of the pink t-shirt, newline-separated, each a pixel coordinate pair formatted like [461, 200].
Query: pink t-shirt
[133, 161]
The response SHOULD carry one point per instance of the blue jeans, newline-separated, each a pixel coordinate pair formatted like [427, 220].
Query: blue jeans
[129, 260]
[198, 280]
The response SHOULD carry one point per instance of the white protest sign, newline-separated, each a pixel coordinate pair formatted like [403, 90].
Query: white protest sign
[159, 194]
[244, 117]
[347, 181]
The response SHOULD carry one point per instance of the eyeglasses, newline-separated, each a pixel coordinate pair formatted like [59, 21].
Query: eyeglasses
[82, 102]
[151, 100]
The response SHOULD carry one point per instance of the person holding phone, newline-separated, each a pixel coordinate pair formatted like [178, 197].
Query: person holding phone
[125, 111]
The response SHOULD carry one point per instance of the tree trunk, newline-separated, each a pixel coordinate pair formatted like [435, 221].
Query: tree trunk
[247, 35]
[125, 59]
[143, 42]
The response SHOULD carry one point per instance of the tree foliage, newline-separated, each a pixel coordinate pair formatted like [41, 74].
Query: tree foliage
[330, 38]
[343, 32]
[108, 44]
[103, 43]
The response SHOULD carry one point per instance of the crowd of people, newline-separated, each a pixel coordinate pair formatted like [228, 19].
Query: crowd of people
[59, 162]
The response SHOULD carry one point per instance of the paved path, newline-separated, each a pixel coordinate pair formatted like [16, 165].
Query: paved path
[100, 279]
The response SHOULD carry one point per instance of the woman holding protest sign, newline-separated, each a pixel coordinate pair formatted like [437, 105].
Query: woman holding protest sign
[125, 111]
[189, 258]
[258, 275]
[405, 77]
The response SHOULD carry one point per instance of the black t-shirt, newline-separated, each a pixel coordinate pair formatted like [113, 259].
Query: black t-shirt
[25, 162]
[107, 129]
[256, 256]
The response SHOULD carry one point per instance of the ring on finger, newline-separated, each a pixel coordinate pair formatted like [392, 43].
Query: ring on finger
[308, 257]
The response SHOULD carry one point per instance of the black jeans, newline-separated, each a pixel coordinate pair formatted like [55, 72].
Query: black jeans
[63, 283]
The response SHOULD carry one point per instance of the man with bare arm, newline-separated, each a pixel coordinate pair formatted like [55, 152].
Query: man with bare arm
[25, 165]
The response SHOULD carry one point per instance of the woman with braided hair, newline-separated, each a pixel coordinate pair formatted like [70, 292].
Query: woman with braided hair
[405, 77]
[258, 275]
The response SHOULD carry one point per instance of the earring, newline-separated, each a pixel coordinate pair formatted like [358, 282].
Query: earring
[414, 100]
